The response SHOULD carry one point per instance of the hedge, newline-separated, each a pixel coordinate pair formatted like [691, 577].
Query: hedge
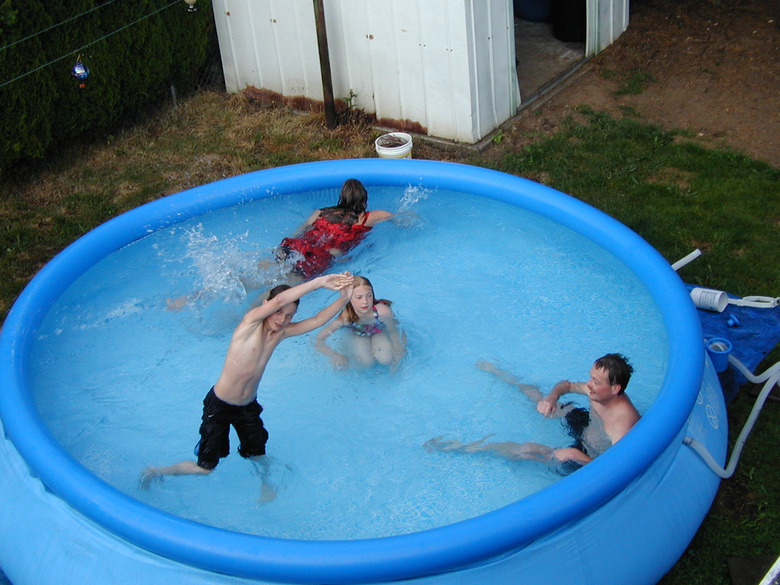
[135, 51]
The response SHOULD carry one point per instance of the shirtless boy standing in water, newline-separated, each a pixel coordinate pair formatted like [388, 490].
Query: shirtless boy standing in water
[611, 415]
[233, 399]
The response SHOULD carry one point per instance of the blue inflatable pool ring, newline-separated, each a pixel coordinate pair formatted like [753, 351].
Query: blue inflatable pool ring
[624, 518]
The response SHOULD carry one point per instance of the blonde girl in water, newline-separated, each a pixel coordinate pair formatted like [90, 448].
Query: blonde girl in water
[373, 333]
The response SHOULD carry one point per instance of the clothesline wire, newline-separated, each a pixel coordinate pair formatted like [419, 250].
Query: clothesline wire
[67, 20]
[77, 51]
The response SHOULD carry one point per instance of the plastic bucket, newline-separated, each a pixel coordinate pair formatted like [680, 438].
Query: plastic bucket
[719, 348]
[709, 299]
[394, 145]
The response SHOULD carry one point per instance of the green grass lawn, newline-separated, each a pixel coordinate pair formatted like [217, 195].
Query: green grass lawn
[675, 193]
[680, 196]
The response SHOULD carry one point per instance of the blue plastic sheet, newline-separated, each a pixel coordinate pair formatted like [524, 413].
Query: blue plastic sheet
[753, 333]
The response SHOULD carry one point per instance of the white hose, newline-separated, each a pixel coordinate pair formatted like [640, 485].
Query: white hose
[756, 301]
[686, 260]
[772, 376]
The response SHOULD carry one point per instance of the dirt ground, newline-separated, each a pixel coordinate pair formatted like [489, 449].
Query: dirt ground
[710, 67]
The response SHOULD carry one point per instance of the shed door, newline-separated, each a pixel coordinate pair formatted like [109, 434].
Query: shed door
[552, 37]
[607, 19]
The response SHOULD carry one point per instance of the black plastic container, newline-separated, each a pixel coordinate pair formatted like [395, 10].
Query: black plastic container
[569, 20]
[533, 10]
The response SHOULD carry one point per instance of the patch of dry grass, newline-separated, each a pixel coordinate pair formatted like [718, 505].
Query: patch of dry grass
[210, 136]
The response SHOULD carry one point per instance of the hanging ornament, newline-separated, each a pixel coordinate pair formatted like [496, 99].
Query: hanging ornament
[80, 72]
[191, 5]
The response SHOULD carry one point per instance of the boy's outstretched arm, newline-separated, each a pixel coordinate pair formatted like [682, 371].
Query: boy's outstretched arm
[256, 315]
[329, 281]
[342, 284]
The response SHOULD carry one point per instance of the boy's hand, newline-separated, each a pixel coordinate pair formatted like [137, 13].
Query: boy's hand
[338, 281]
[346, 292]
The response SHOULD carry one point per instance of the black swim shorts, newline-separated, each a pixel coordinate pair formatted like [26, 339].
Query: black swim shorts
[577, 420]
[218, 415]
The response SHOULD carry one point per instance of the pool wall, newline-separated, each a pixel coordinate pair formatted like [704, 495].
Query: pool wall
[626, 517]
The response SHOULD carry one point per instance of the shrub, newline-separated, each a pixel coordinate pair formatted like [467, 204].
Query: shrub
[135, 52]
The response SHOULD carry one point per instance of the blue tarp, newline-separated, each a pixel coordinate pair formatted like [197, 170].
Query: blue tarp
[753, 333]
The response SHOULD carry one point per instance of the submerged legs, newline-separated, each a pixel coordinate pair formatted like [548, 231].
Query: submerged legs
[509, 449]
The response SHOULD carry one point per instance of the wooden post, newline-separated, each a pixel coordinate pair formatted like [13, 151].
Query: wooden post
[327, 83]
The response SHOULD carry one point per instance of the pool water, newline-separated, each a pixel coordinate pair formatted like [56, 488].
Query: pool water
[120, 380]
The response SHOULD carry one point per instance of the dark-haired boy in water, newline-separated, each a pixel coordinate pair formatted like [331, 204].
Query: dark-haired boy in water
[233, 399]
[611, 415]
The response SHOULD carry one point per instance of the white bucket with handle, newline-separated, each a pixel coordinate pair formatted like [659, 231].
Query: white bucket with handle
[394, 145]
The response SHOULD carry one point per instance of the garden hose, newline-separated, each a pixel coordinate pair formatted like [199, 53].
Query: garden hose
[771, 377]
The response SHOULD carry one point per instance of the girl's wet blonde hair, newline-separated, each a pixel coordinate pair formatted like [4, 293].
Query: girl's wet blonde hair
[349, 312]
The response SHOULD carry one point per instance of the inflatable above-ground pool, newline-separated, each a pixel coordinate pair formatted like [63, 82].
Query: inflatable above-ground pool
[624, 518]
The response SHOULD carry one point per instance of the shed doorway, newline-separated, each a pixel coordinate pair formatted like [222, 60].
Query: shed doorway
[548, 45]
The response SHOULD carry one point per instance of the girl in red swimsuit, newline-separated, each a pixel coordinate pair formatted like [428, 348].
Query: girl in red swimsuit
[332, 231]
[327, 234]
[374, 335]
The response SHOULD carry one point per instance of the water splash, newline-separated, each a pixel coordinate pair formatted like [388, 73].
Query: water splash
[228, 270]
[407, 216]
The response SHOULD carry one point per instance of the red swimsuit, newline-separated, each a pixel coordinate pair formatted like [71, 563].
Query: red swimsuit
[316, 243]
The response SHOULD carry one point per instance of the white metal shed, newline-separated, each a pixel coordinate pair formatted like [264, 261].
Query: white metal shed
[444, 68]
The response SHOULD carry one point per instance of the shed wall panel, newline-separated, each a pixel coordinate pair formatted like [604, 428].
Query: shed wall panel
[417, 62]
[446, 70]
